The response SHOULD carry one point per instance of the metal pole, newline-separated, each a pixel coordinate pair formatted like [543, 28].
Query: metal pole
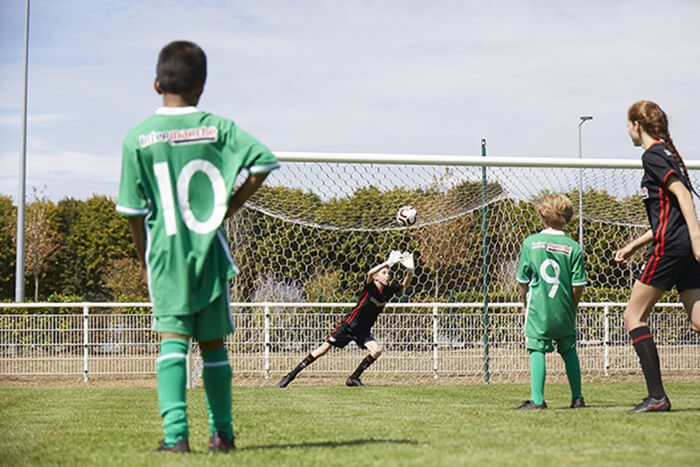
[606, 339]
[86, 343]
[266, 338]
[484, 259]
[188, 365]
[436, 342]
[19, 263]
[583, 120]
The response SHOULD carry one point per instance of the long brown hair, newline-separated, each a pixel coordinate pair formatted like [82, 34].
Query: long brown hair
[653, 120]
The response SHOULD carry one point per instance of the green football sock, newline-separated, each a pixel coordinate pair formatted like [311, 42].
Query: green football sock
[538, 371]
[217, 386]
[171, 372]
[573, 372]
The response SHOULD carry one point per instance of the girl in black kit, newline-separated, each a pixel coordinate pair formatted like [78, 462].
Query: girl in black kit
[674, 257]
[357, 324]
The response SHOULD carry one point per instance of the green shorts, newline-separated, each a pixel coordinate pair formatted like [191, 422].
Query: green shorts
[545, 345]
[210, 323]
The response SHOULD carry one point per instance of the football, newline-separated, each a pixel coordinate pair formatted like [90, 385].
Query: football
[406, 215]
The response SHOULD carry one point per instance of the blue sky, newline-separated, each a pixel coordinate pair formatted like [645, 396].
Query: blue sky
[366, 76]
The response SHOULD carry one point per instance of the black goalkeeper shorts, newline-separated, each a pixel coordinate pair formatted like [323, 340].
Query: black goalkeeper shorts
[342, 336]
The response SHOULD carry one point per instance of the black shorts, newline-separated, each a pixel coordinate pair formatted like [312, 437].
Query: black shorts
[664, 272]
[341, 336]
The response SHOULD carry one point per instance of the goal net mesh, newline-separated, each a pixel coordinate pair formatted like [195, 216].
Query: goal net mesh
[314, 229]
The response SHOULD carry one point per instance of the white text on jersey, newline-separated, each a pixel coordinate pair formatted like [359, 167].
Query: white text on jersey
[553, 247]
[199, 135]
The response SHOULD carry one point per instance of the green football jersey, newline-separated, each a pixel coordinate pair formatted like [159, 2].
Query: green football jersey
[179, 169]
[551, 264]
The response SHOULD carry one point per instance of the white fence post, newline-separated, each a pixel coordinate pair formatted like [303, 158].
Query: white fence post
[435, 342]
[606, 339]
[189, 364]
[266, 333]
[86, 311]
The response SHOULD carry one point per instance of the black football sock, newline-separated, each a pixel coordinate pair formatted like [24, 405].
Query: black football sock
[644, 345]
[364, 364]
[308, 360]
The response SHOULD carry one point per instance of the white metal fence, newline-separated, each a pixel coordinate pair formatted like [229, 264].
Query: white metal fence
[423, 343]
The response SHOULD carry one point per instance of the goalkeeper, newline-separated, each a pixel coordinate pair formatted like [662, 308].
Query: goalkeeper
[357, 324]
[551, 278]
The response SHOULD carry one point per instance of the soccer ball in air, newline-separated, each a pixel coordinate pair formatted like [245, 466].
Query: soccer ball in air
[406, 215]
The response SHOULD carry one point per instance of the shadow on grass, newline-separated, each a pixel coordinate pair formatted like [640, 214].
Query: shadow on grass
[328, 444]
[622, 408]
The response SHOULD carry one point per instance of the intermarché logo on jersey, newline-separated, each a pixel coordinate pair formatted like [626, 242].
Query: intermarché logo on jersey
[199, 135]
[553, 247]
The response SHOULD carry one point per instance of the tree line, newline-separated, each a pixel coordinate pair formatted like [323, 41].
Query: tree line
[74, 250]
[81, 249]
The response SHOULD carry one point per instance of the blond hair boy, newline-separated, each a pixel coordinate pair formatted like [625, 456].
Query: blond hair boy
[551, 278]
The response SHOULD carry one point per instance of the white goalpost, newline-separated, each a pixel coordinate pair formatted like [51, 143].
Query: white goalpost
[325, 218]
[321, 221]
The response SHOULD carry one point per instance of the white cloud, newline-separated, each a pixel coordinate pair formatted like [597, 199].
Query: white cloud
[63, 172]
[391, 76]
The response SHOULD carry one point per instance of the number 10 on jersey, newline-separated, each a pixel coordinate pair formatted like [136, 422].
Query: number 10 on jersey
[162, 172]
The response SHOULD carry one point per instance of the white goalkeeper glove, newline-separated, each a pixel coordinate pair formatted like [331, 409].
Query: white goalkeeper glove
[407, 260]
[394, 257]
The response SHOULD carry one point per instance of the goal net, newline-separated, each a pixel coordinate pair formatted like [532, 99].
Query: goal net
[311, 233]
[315, 228]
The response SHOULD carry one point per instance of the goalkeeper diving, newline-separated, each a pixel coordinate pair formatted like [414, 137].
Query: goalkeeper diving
[357, 324]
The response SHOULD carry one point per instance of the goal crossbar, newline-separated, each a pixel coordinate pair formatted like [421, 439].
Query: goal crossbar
[445, 159]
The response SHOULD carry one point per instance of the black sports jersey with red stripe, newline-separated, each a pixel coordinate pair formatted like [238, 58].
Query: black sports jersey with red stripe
[670, 231]
[364, 314]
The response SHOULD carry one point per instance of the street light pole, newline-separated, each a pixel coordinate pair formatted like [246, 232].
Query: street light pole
[582, 119]
[19, 253]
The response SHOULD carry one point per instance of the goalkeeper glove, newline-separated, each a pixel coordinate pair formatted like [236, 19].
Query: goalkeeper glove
[394, 257]
[407, 260]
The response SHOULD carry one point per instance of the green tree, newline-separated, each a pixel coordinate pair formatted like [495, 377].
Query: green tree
[99, 236]
[266, 246]
[7, 248]
[124, 280]
[64, 278]
[306, 243]
[42, 242]
[608, 224]
[509, 223]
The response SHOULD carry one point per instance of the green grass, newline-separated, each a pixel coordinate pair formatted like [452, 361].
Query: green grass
[388, 425]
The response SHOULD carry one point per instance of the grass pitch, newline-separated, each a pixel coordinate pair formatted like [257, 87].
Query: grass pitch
[385, 425]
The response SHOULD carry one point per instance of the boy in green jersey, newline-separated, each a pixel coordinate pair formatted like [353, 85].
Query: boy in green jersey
[551, 278]
[179, 169]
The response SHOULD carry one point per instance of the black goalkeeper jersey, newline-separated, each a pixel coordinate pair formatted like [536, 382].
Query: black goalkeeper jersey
[364, 314]
[670, 231]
